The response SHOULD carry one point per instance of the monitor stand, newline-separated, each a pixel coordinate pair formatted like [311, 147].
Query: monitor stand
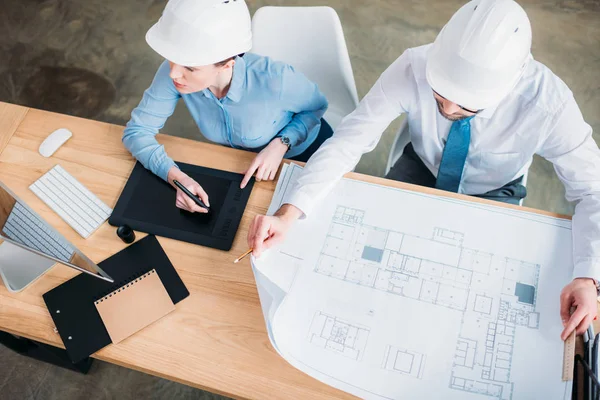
[20, 267]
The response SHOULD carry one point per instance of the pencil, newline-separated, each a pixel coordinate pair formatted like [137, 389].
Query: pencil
[237, 260]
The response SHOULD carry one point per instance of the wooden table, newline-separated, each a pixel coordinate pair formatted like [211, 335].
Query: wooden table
[216, 339]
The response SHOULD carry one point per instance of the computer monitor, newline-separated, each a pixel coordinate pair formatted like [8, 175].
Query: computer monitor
[29, 246]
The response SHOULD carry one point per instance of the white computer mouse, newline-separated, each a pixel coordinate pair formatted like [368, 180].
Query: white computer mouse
[54, 141]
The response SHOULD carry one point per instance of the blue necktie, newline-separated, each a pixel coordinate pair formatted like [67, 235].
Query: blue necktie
[454, 156]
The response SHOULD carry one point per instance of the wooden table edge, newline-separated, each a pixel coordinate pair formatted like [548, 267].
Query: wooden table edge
[14, 124]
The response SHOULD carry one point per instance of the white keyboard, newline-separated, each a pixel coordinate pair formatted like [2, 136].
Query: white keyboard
[72, 201]
[26, 228]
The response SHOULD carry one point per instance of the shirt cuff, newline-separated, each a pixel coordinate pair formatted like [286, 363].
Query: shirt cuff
[164, 166]
[291, 134]
[300, 200]
[587, 268]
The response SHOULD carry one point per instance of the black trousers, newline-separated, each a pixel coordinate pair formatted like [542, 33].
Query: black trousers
[324, 133]
[410, 169]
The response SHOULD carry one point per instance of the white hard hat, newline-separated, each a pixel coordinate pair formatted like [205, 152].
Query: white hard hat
[481, 53]
[201, 32]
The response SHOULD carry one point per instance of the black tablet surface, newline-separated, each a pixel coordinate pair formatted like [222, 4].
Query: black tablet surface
[147, 204]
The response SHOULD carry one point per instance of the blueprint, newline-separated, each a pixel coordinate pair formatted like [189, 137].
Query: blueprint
[392, 294]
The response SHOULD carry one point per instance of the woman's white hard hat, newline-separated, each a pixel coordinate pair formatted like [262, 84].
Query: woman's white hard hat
[201, 32]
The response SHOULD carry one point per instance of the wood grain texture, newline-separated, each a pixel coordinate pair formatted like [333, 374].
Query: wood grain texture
[7, 202]
[10, 117]
[215, 339]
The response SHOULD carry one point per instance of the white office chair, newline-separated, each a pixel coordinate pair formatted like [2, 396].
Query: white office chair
[312, 41]
[401, 140]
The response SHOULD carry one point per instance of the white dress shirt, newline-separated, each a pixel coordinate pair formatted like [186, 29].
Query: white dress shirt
[540, 116]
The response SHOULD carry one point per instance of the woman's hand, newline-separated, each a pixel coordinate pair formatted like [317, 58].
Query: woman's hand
[182, 200]
[266, 163]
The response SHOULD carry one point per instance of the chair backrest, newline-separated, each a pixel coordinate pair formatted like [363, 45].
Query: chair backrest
[312, 41]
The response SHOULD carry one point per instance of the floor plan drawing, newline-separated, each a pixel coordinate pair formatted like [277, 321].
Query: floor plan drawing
[390, 293]
[339, 336]
[496, 294]
[404, 361]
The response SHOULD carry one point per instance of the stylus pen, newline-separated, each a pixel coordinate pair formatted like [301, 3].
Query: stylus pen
[191, 195]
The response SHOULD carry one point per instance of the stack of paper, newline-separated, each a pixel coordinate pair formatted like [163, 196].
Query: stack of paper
[388, 294]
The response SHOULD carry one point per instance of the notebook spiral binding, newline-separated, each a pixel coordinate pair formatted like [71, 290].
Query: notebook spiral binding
[124, 284]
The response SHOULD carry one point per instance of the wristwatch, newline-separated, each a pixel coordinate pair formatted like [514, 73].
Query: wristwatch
[286, 140]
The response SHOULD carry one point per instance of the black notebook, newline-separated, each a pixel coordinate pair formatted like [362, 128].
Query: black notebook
[72, 307]
[147, 204]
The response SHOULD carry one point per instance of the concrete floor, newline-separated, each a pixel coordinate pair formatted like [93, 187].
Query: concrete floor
[22, 378]
[90, 59]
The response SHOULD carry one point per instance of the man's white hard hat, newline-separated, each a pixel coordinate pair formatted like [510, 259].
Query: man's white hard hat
[481, 53]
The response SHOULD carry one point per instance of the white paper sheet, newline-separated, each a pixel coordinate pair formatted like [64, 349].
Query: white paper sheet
[390, 294]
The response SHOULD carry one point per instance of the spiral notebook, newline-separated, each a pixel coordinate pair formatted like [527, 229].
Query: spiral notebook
[134, 306]
[90, 314]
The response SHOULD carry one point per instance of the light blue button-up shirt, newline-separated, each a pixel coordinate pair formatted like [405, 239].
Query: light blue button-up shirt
[266, 98]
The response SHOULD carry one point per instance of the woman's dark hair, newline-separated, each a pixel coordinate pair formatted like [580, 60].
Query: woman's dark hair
[221, 63]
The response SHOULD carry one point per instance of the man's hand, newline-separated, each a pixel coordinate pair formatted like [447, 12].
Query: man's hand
[182, 200]
[265, 231]
[582, 295]
[266, 163]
